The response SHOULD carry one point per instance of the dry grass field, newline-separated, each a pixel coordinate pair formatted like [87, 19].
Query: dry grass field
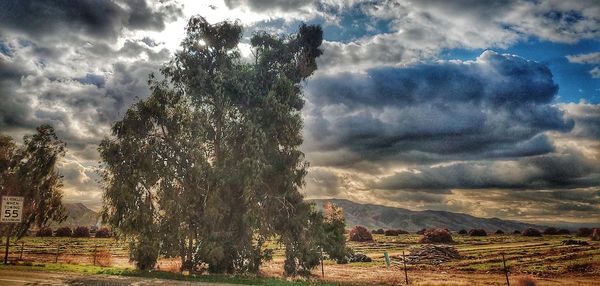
[544, 258]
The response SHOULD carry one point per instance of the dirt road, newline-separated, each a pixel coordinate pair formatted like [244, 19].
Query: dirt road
[20, 278]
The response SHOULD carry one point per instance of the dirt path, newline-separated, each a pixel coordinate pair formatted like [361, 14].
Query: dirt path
[19, 278]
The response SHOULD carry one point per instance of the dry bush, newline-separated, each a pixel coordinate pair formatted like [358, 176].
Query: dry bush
[550, 231]
[172, 266]
[103, 233]
[582, 267]
[44, 232]
[378, 231]
[360, 234]
[499, 231]
[437, 235]
[477, 232]
[81, 231]
[103, 258]
[463, 232]
[596, 234]
[531, 232]
[584, 231]
[64, 231]
[526, 281]
[391, 232]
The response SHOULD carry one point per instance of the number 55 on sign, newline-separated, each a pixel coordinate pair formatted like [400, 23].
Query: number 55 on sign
[12, 208]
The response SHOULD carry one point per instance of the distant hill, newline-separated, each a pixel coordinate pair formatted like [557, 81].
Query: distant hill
[79, 215]
[377, 216]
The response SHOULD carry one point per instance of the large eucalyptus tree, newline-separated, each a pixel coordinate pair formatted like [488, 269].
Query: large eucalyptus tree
[208, 168]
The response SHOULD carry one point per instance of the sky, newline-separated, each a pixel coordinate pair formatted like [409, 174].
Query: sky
[490, 108]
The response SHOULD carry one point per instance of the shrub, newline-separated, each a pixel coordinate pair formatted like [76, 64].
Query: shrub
[391, 232]
[526, 281]
[81, 231]
[64, 231]
[499, 231]
[401, 231]
[44, 232]
[550, 231]
[359, 233]
[531, 232]
[477, 232]
[584, 231]
[596, 234]
[463, 232]
[103, 232]
[422, 231]
[574, 242]
[517, 232]
[437, 235]
[378, 231]
[563, 231]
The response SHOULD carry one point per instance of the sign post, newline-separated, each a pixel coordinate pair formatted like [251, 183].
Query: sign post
[10, 212]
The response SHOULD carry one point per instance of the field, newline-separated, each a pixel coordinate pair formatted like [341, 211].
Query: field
[544, 258]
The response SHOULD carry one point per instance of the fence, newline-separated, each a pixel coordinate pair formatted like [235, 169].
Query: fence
[93, 251]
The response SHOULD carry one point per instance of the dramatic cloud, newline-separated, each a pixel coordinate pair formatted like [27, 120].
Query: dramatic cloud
[495, 106]
[91, 18]
[401, 112]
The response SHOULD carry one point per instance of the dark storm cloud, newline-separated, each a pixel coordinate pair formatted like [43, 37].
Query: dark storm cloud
[568, 170]
[94, 18]
[497, 106]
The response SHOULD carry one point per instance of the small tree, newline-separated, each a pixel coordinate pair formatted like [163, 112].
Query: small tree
[584, 231]
[360, 234]
[499, 231]
[81, 231]
[64, 231]
[462, 232]
[103, 233]
[550, 231]
[531, 232]
[30, 171]
[477, 232]
[437, 235]
[44, 232]
[563, 231]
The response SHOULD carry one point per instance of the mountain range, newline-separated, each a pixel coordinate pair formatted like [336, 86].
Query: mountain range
[370, 216]
[378, 216]
[78, 215]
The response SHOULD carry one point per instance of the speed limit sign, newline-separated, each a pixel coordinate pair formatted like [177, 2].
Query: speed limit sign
[12, 209]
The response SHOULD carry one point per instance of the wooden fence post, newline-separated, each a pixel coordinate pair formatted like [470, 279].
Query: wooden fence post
[22, 246]
[57, 251]
[95, 247]
[322, 269]
[405, 272]
[505, 270]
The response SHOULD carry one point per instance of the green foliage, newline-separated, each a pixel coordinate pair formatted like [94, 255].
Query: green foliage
[44, 232]
[208, 167]
[103, 232]
[30, 171]
[64, 231]
[81, 231]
